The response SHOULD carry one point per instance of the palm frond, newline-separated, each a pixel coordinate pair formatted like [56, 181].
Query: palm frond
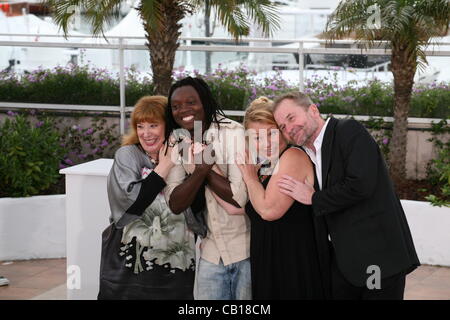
[151, 13]
[101, 14]
[98, 13]
[232, 17]
[264, 13]
[238, 15]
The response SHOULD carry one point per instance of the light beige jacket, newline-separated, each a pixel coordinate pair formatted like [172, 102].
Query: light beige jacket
[228, 236]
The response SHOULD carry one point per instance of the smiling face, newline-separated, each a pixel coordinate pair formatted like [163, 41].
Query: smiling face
[266, 139]
[151, 136]
[187, 107]
[299, 125]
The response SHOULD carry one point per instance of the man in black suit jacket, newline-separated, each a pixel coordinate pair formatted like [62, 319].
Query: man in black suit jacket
[369, 246]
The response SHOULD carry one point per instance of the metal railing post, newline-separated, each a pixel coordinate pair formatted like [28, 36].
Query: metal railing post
[122, 86]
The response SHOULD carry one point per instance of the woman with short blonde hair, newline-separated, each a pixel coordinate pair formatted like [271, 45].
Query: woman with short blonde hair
[259, 110]
[283, 254]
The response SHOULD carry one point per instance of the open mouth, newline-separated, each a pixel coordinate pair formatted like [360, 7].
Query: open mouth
[150, 142]
[188, 118]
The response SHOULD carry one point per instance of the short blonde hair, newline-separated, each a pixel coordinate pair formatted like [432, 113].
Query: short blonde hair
[260, 110]
[147, 109]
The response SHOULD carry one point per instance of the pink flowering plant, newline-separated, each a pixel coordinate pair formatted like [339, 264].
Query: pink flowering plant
[233, 88]
[38, 144]
[82, 144]
[72, 85]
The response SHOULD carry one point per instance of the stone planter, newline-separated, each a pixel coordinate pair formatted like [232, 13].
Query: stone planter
[32, 227]
[430, 228]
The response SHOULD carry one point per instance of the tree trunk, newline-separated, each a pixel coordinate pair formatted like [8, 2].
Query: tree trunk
[403, 68]
[162, 43]
[207, 34]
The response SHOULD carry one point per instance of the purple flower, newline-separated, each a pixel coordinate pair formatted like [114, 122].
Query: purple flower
[89, 131]
[385, 141]
[11, 114]
[348, 99]
[82, 156]
[94, 151]
[68, 161]
[104, 143]
[62, 166]
[39, 124]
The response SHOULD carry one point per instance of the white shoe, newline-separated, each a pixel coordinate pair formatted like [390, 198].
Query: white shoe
[3, 281]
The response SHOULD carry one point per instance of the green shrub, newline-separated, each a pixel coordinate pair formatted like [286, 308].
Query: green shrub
[431, 101]
[234, 90]
[438, 170]
[72, 85]
[30, 156]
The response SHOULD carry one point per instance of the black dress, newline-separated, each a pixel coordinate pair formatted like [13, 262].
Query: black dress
[283, 255]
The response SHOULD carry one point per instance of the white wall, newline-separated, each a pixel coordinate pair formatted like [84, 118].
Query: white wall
[88, 214]
[430, 229]
[33, 227]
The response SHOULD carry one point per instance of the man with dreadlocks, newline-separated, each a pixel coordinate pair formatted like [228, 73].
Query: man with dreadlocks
[208, 168]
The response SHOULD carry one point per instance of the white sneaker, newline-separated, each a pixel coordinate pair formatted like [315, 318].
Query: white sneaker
[3, 281]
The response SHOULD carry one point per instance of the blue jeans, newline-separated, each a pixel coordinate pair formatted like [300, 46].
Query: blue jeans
[219, 282]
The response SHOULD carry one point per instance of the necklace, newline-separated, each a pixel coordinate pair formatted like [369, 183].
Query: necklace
[267, 166]
[155, 162]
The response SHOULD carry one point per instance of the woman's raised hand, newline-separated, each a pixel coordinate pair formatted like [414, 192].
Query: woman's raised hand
[249, 168]
[165, 163]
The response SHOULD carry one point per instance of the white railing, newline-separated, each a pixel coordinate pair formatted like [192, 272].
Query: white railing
[297, 46]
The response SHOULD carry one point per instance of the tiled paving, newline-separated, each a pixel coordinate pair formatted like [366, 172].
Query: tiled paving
[45, 279]
[30, 278]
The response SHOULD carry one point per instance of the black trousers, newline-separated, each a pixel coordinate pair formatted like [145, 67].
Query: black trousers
[392, 288]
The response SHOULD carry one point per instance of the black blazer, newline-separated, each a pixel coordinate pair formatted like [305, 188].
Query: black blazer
[361, 210]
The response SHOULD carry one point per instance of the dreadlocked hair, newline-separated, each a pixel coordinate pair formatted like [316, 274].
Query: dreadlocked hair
[211, 108]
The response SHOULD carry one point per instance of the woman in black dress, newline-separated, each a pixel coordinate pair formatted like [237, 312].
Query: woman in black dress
[283, 254]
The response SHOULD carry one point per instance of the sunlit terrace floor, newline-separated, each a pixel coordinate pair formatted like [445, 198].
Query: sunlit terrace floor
[45, 279]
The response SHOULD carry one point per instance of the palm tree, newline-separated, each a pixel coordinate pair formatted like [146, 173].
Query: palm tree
[161, 20]
[408, 26]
